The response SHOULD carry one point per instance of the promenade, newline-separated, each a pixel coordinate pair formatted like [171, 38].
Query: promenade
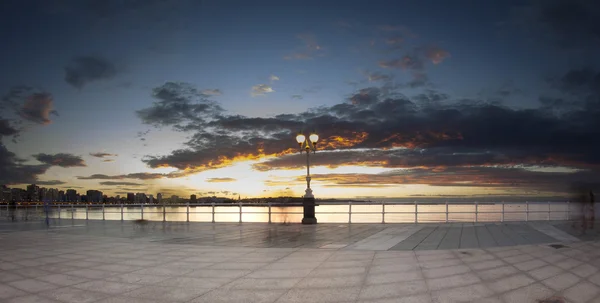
[114, 261]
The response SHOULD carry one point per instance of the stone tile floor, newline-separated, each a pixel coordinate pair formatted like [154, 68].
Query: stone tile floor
[114, 262]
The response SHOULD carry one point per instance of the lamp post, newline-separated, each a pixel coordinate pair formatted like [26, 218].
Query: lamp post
[309, 199]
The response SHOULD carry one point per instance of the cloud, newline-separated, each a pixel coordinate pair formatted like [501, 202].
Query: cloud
[60, 159]
[220, 180]
[431, 129]
[178, 104]
[6, 129]
[140, 176]
[50, 182]
[261, 90]
[120, 183]
[567, 24]
[310, 48]
[13, 171]
[37, 108]
[102, 155]
[86, 69]
[436, 54]
[297, 97]
[273, 78]
[407, 62]
[108, 160]
[211, 92]
[377, 76]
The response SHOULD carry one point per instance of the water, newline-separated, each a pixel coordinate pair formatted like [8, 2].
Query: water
[361, 213]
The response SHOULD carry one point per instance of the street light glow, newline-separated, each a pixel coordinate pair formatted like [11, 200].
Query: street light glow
[314, 138]
[300, 138]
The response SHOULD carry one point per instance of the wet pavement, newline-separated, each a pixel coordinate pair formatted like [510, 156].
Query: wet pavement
[113, 261]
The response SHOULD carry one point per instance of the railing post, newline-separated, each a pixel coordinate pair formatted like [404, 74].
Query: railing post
[142, 210]
[446, 211]
[103, 217]
[350, 212]
[213, 212]
[476, 212]
[72, 212]
[549, 210]
[382, 211]
[164, 213]
[526, 211]
[240, 207]
[502, 219]
[187, 212]
[58, 211]
[568, 210]
[416, 212]
[86, 212]
[269, 212]
[121, 211]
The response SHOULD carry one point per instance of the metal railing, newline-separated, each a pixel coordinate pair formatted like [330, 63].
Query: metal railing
[326, 212]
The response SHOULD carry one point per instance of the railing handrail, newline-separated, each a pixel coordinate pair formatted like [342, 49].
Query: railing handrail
[452, 211]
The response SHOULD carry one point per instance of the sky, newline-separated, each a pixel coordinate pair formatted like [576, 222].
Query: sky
[411, 99]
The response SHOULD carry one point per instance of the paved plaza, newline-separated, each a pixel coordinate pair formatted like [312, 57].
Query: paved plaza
[113, 261]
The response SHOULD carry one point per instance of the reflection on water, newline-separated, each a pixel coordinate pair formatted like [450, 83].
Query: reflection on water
[361, 213]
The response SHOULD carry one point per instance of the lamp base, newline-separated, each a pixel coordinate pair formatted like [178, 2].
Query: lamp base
[308, 221]
[309, 211]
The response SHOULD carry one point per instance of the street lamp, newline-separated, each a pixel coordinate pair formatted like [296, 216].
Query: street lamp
[309, 199]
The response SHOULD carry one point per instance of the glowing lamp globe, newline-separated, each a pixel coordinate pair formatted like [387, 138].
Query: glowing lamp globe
[314, 138]
[300, 138]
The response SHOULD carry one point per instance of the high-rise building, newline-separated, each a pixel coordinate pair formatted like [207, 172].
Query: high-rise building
[174, 199]
[33, 193]
[130, 197]
[140, 198]
[159, 198]
[5, 194]
[193, 199]
[150, 199]
[61, 196]
[94, 196]
[43, 194]
[71, 195]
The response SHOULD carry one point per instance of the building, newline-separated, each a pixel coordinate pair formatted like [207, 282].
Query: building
[193, 199]
[150, 199]
[61, 196]
[174, 199]
[17, 194]
[71, 195]
[140, 198]
[159, 198]
[33, 193]
[130, 197]
[5, 193]
[94, 196]
[43, 194]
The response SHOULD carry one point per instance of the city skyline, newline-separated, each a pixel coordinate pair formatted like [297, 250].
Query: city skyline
[193, 97]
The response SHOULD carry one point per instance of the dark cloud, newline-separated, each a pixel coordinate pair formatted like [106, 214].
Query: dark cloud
[297, 97]
[583, 82]
[60, 159]
[13, 171]
[180, 105]
[120, 183]
[6, 129]
[37, 108]
[140, 176]
[380, 127]
[50, 182]
[29, 104]
[569, 24]
[220, 180]
[102, 155]
[85, 69]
